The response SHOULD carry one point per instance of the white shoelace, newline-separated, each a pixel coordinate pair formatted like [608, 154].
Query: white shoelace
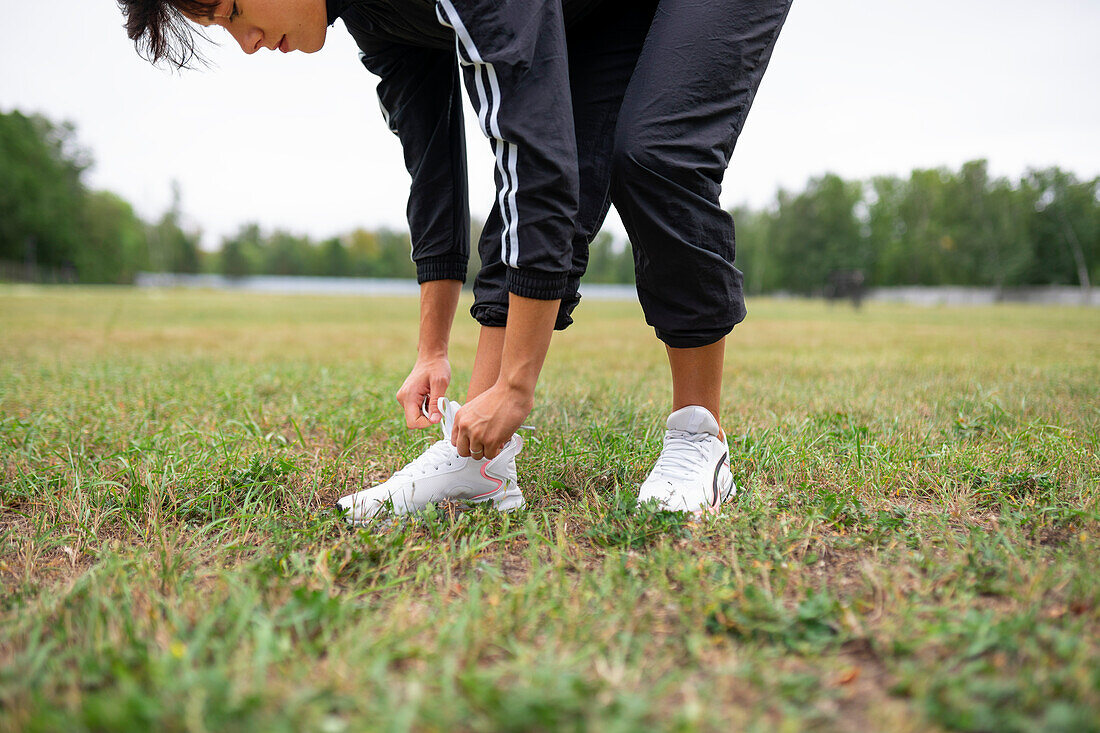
[442, 453]
[683, 453]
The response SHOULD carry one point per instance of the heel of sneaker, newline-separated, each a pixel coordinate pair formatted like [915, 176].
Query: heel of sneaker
[731, 490]
[507, 500]
[728, 490]
[510, 501]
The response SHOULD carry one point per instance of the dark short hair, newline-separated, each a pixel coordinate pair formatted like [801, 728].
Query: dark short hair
[161, 31]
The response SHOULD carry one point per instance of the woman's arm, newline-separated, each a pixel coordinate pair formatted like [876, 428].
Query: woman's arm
[431, 374]
[514, 60]
[488, 421]
[419, 93]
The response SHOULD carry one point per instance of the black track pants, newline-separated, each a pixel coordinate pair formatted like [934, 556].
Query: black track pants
[660, 92]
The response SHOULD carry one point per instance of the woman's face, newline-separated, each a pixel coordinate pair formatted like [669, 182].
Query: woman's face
[287, 25]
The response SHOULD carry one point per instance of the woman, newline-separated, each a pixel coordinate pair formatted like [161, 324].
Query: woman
[585, 103]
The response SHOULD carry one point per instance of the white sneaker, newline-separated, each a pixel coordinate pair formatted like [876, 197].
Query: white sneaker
[693, 473]
[440, 474]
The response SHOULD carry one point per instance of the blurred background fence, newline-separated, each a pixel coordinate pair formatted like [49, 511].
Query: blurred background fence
[31, 272]
[914, 295]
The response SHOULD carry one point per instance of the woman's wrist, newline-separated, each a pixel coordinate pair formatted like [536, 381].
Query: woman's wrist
[438, 303]
[527, 337]
[522, 392]
[519, 383]
[425, 355]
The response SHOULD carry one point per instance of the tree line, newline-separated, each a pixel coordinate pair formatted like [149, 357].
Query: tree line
[934, 227]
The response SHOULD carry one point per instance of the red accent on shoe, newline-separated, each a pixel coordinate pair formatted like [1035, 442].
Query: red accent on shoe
[499, 482]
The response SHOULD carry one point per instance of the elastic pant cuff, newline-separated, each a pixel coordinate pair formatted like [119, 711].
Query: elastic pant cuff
[537, 284]
[495, 316]
[441, 267]
[692, 339]
[490, 316]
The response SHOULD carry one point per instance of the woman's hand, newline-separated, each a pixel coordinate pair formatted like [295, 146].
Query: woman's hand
[429, 378]
[487, 422]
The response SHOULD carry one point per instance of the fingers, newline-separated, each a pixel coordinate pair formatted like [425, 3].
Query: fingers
[438, 389]
[468, 448]
[413, 417]
[461, 442]
[469, 444]
[419, 394]
[411, 403]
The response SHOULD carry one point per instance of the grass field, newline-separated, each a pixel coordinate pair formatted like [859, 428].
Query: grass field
[916, 548]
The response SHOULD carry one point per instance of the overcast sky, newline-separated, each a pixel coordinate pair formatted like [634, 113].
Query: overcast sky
[855, 87]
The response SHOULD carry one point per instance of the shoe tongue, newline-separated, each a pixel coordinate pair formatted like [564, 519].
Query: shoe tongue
[448, 409]
[693, 419]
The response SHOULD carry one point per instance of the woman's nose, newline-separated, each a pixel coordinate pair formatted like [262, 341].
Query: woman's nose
[249, 39]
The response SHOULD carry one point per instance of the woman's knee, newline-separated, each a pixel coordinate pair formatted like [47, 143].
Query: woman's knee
[631, 162]
[667, 168]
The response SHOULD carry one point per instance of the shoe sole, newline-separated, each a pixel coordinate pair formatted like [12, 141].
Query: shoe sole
[508, 501]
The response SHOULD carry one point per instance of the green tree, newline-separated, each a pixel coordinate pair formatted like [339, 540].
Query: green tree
[335, 261]
[473, 265]
[242, 254]
[394, 260]
[602, 266]
[114, 245]
[818, 231]
[911, 242]
[362, 247]
[41, 194]
[286, 254]
[984, 223]
[232, 261]
[755, 258]
[171, 249]
[1064, 227]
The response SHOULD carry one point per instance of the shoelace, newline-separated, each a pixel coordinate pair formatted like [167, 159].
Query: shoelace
[442, 453]
[684, 452]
